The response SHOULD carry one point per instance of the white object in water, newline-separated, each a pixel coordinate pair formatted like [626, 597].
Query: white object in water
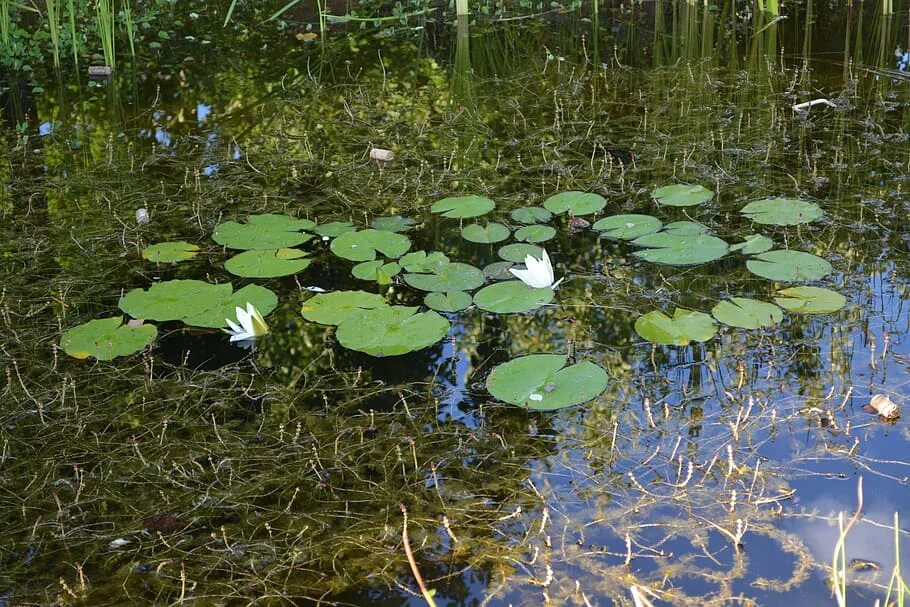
[539, 272]
[804, 106]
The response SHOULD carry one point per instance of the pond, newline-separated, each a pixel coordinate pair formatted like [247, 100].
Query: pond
[705, 201]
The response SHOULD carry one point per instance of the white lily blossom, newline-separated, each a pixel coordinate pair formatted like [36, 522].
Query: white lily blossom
[539, 272]
[249, 325]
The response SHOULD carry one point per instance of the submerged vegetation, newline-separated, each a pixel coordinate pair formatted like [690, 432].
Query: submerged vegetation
[598, 329]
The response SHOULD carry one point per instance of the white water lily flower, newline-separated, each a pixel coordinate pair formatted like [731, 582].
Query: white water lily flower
[251, 324]
[539, 272]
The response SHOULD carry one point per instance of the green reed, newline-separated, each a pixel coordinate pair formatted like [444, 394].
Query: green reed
[106, 27]
[130, 28]
[53, 24]
[74, 34]
[5, 26]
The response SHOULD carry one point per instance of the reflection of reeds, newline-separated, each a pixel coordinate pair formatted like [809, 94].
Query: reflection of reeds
[105, 13]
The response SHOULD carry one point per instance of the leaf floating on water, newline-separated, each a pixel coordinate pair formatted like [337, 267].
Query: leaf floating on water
[810, 300]
[107, 338]
[263, 232]
[334, 229]
[452, 301]
[395, 223]
[789, 266]
[517, 252]
[747, 313]
[578, 203]
[672, 249]
[485, 234]
[627, 227]
[542, 382]
[782, 211]
[170, 252]
[512, 297]
[333, 308]
[529, 215]
[391, 330]
[684, 327]
[267, 263]
[452, 276]
[463, 207]
[535, 233]
[363, 245]
[753, 244]
[682, 195]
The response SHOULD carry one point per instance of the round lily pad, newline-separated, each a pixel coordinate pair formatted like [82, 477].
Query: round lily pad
[452, 301]
[627, 227]
[810, 300]
[674, 250]
[462, 207]
[363, 245]
[484, 234]
[263, 232]
[333, 308]
[535, 233]
[106, 339]
[170, 252]
[174, 299]
[517, 252]
[747, 313]
[685, 228]
[542, 382]
[685, 326]
[334, 229]
[391, 330]
[451, 276]
[395, 223]
[682, 195]
[753, 244]
[789, 266]
[267, 263]
[529, 215]
[499, 270]
[215, 315]
[511, 297]
[377, 270]
[782, 211]
[579, 203]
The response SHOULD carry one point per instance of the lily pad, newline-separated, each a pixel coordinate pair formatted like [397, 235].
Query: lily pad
[421, 262]
[452, 301]
[542, 382]
[682, 195]
[685, 326]
[333, 308]
[452, 276]
[685, 228]
[579, 203]
[675, 250]
[810, 300]
[535, 233]
[267, 263]
[517, 252]
[391, 330]
[462, 207]
[484, 234]
[529, 215]
[747, 313]
[789, 266]
[753, 244]
[214, 317]
[395, 223]
[106, 339]
[627, 227]
[499, 270]
[263, 232]
[511, 297]
[174, 299]
[334, 229]
[170, 252]
[782, 211]
[363, 245]
[377, 270]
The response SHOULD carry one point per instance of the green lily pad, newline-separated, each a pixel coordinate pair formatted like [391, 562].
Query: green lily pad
[747, 313]
[498, 270]
[379, 271]
[263, 232]
[518, 251]
[170, 252]
[579, 203]
[682, 195]
[685, 326]
[267, 263]
[452, 301]
[511, 297]
[674, 250]
[333, 308]
[391, 330]
[174, 299]
[395, 223]
[782, 211]
[334, 229]
[492, 232]
[753, 244]
[627, 227]
[452, 276]
[685, 228]
[214, 317]
[810, 300]
[542, 382]
[106, 339]
[363, 245]
[529, 215]
[421, 262]
[789, 266]
[535, 233]
[462, 207]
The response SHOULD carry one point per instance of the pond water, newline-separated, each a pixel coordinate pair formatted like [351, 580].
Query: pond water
[703, 474]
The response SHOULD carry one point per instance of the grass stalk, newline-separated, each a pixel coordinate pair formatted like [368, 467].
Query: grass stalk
[5, 26]
[461, 7]
[74, 41]
[105, 12]
[53, 24]
[839, 563]
[130, 28]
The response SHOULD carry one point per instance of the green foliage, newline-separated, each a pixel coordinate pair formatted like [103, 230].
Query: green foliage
[106, 339]
[529, 215]
[463, 207]
[333, 308]
[214, 316]
[453, 301]
[511, 297]
[627, 227]
[782, 211]
[485, 234]
[747, 313]
[682, 195]
[578, 203]
[518, 251]
[377, 270]
[267, 263]
[395, 223]
[536, 233]
[684, 327]
[263, 232]
[810, 300]
[542, 382]
[363, 245]
[170, 252]
[334, 229]
[789, 266]
[391, 330]
[452, 276]
[671, 248]
[753, 244]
